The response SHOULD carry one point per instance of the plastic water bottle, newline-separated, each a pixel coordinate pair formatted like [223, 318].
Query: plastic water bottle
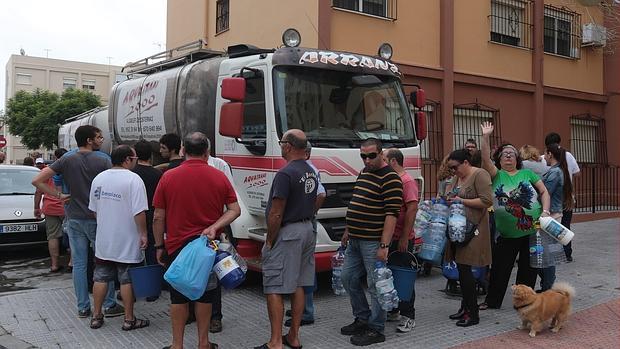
[423, 218]
[337, 263]
[228, 247]
[457, 223]
[384, 285]
[227, 270]
[556, 230]
[434, 240]
[536, 250]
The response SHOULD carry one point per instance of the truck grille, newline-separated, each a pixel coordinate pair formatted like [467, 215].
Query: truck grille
[334, 227]
[338, 194]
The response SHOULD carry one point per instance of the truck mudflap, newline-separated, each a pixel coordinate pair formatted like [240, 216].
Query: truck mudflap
[251, 251]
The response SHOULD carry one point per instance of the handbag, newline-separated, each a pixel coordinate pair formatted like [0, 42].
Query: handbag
[470, 231]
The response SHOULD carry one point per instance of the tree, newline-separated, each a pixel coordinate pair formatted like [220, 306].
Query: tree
[35, 116]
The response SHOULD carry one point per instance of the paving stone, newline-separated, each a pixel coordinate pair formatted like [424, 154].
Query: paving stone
[46, 318]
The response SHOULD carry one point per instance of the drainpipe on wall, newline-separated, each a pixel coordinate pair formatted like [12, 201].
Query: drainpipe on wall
[538, 57]
[446, 60]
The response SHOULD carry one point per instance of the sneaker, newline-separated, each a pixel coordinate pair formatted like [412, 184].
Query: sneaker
[393, 316]
[84, 313]
[116, 310]
[368, 337]
[406, 325]
[357, 327]
[215, 326]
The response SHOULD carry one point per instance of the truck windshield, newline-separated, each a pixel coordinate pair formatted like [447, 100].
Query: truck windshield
[339, 109]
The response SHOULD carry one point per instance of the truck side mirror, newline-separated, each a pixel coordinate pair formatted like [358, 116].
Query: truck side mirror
[420, 125]
[418, 98]
[231, 114]
[233, 89]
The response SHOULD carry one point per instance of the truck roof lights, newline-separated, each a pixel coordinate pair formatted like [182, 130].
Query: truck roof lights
[385, 51]
[291, 38]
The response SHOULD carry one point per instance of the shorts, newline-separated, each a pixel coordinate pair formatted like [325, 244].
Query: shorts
[53, 227]
[106, 271]
[177, 297]
[290, 262]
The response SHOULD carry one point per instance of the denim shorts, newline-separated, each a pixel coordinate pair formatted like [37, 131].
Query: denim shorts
[106, 271]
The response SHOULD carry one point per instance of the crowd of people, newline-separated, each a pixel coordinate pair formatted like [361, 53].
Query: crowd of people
[131, 213]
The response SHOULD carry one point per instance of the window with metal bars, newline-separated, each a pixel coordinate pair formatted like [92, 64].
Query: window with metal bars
[467, 120]
[221, 19]
[511, 22]
[587, 139]
[379, 8]
[562, 32]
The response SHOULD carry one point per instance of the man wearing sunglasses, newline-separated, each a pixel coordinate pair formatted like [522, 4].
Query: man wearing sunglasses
[371, 219]
[288, 252]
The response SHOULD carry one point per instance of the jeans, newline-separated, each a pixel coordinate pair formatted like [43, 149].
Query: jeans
[81, 236]
[359, 262]
[567, 217]
[547, 277]
[308, 314]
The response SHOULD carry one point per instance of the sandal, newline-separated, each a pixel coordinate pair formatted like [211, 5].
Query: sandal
[56, 270]
[136, 323]
[286, 342]
[96, 322]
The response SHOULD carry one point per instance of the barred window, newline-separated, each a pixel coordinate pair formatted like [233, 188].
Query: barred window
[88, 84]
[221, 19]
[467, 120]
[562, 32]
[379, 8]
[588, 142]
[511, 22]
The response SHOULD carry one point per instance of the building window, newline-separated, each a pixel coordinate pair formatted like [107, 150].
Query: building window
[588, 142]
[23, 79]
[379, 8]
[511, 22]
[562, 33]
[69, 83]
[88, 84]
[221, 19]
[467, 120]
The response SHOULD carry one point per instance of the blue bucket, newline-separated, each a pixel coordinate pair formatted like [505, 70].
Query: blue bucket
[404, 281]
[146, 280]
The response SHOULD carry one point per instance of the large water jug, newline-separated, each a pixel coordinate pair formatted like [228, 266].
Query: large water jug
[384, 285]
[457, 223]
[434, 241]
[556, 230]
[228, 247]
[337, 263]
[227, 270]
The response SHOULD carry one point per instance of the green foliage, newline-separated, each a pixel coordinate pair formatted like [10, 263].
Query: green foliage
[35, 116]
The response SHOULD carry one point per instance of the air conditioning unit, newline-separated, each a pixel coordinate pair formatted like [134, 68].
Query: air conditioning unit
[593, 35]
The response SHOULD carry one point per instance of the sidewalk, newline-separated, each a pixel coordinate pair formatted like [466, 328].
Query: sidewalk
[46, 318]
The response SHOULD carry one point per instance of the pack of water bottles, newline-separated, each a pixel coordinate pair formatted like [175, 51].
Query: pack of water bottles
[434, 237]
[457, 222]
[384, 285]
[423, 218]
[337, 263]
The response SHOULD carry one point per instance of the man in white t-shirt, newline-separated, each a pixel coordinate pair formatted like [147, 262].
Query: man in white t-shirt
[573, 170]
[118, 198]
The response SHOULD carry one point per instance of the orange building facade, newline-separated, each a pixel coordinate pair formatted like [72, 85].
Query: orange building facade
[530, 66]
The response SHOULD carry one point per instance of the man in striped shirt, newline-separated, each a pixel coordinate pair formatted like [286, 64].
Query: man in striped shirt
[371, 218]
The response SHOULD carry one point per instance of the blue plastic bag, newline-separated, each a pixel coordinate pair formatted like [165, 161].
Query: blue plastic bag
[451, 272]
[189, 272]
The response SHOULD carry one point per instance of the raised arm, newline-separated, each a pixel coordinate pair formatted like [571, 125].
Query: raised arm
[485, 149]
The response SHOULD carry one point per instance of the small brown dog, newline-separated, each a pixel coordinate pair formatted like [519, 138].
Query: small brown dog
[535, 309]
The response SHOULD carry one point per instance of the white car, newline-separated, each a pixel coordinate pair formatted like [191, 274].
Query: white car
[18, 225]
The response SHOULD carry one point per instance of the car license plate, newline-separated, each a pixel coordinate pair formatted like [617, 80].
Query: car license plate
[18, 228]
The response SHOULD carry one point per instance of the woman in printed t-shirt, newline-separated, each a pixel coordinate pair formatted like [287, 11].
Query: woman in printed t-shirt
[516, 206]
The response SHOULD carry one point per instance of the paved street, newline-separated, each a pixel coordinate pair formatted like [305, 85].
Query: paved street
[45, 316]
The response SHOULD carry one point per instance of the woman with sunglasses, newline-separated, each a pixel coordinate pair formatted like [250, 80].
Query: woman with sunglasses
[472, 187]
[517, 208]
